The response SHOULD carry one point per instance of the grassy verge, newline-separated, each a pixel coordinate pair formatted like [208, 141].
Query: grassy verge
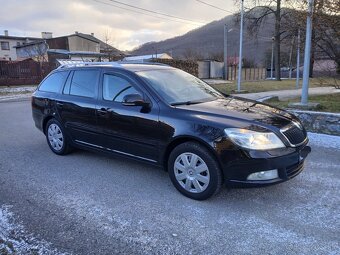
[328, 103]
[267, 85]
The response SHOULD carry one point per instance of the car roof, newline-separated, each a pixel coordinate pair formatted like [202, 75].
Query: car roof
[134, 67]
[145, 67]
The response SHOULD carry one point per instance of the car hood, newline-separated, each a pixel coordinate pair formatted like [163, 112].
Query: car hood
[238, 109]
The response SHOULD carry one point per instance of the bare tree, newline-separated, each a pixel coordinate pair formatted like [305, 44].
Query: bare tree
[37, 51]
[257, 14]
[326, 27]
[108, 49]
[190, 54]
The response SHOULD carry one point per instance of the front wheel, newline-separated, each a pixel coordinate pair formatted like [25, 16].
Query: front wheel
[194, 171]
[56, 137]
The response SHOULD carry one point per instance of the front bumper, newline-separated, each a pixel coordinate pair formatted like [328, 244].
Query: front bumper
[288, 167]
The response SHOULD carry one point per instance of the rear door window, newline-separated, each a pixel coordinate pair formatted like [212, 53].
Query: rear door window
[84, 83]
[54, 82]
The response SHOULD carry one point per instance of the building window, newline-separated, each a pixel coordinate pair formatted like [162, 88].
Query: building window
[5, 45]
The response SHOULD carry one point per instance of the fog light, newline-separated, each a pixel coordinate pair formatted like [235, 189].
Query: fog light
[263, 175]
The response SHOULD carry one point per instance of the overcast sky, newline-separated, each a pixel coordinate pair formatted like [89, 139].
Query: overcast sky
[126, 29]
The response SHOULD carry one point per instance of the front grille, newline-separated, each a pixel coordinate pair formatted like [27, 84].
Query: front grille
[294, 135]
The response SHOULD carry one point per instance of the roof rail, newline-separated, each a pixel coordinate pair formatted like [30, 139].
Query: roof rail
[141, 62]
[65, 63]
[78, 63]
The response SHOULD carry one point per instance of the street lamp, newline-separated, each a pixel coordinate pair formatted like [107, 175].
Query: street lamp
[272, 59]
[298, 60]
[306, 63]
[226, 73]
[240, 54]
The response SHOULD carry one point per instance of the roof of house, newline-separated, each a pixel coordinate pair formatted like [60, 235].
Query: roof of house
[31, 43]
[103, 46]
[75, 53]
[5, 37]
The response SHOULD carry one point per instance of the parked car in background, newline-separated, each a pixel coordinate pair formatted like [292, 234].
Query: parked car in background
[164, 116]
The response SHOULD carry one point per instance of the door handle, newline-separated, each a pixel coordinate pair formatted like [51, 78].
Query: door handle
[103, 111]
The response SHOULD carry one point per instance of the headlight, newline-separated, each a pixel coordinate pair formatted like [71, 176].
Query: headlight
[254, 140]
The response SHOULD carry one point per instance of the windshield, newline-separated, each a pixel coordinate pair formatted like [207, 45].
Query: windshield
[178, 87]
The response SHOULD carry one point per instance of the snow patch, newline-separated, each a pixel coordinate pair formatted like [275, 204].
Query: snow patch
[14, 96]
[14, 239]
[322, 140]
[23, 89]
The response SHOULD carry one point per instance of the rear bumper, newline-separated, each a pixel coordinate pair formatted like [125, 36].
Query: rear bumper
[288, 166]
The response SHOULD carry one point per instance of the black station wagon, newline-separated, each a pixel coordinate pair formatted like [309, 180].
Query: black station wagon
[167, 117]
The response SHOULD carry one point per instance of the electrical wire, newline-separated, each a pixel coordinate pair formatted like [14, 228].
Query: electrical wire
[214, 6]
[147, 14]
[156, 12]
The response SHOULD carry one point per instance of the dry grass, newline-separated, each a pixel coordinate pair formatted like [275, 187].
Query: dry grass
[328, 103]
[267, 85]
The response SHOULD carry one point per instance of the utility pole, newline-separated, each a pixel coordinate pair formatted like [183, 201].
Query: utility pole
[298, 60]
[225, 52]
[226, 70]
[240, 54]
[306, 64]
[272, 59]
[290, 57]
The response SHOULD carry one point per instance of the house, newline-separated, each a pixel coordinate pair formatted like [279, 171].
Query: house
[8, 44]
[77, 46]
[37, 50]
[148, 57]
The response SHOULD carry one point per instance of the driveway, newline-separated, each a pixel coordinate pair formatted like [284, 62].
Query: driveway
[86, 203]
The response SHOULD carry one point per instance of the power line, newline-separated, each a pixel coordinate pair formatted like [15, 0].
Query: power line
[216, 7]
[143, 13]
[155, 12]
[221, 9]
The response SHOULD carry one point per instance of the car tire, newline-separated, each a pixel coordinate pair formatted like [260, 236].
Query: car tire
[194, 171]
[56, 137]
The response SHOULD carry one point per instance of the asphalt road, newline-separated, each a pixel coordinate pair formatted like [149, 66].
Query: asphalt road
[86, 203]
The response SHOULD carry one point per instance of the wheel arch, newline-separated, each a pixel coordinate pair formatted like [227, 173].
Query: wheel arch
[183, 139]
[46, 119]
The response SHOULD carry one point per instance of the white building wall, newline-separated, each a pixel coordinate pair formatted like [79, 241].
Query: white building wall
[10, 54]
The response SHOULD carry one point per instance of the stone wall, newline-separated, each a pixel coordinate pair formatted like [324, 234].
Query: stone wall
[319, 122]
[185, 65]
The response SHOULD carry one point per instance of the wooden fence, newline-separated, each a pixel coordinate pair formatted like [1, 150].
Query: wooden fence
[248, 74]
[26, 72]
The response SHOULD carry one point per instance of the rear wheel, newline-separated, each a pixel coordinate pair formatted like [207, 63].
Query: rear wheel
[194, 171]
[56, 137]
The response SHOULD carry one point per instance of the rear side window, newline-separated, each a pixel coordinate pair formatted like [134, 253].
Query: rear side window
[54, 82]
[115, 88]
[84, 83]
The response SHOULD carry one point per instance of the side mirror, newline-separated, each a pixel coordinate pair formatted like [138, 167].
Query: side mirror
[134, 100]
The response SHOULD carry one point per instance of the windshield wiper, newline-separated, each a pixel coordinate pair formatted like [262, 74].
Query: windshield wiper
[187, 102]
